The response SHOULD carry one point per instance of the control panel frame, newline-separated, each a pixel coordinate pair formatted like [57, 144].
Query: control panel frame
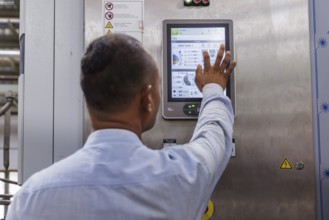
[188, 108]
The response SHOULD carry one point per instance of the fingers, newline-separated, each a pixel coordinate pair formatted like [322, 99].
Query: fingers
[197, 79]
[226, 60]
[219, 57]
[217, 73]
[230, 69]
[206, 61]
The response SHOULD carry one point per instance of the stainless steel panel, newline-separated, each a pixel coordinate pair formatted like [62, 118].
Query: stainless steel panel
[273, 104]
[68, 98]
[50, 98]
[36, 89]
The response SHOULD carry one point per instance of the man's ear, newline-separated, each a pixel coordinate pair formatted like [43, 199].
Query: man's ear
[147, 100]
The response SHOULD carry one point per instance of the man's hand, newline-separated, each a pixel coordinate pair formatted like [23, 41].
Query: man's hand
[218, 73]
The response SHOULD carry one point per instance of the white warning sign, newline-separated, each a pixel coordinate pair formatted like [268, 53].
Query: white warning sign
[124, 17]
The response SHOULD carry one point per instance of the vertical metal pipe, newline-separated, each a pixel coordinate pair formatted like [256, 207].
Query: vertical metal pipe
[6, 155]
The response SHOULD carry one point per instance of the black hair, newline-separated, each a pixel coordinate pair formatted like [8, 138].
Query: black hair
[113, 70]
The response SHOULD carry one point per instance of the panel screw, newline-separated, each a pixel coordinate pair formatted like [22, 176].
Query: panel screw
[299, 165]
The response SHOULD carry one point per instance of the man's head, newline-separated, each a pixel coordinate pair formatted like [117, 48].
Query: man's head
[119, 77]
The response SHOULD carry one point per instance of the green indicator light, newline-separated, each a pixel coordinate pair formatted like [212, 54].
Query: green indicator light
[193, 106]
[188, 1]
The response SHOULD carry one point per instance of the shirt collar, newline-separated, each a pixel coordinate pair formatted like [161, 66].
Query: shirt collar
[105, 135]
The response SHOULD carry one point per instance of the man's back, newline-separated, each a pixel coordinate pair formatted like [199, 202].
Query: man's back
[116, 177]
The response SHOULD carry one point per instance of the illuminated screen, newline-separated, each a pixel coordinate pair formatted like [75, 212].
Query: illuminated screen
[185, 46]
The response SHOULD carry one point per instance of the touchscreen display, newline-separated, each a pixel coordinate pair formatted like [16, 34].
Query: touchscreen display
[184, 41]
[186, 47]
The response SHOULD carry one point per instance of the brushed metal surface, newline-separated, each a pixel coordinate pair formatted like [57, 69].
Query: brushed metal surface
[273, 104]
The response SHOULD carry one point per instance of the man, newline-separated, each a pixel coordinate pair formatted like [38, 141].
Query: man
[114, 176]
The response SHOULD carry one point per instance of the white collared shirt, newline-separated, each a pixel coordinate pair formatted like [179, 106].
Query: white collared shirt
[115, 176]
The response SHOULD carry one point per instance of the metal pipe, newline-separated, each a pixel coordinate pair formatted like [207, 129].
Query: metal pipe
[5, 202]
[8, 181]
[6, 195]
[6, 142]
[6, 147]
[10, 96]
[5, 108]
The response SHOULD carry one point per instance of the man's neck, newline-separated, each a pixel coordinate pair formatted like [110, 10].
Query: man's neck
[118, 124]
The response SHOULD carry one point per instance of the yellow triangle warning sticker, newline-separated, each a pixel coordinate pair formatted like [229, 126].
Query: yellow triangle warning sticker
[286, 165]
[108, 33]
[109, 25]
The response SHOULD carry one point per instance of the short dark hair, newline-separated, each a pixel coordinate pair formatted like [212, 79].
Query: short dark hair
[113, 70]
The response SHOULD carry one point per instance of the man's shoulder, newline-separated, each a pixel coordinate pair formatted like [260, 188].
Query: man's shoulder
[54, 176]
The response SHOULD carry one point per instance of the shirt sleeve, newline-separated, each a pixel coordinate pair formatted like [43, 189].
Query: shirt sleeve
[212, 137]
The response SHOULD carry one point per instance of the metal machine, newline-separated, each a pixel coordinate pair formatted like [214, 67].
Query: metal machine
[274, 173]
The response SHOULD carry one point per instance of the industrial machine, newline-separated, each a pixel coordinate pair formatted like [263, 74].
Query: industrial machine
[279, 169]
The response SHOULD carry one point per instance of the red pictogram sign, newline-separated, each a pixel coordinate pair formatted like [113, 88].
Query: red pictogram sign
[109, 6]
[109, 15]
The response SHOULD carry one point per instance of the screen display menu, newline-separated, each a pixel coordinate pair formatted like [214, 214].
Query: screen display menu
[186, 47]
[184, 41]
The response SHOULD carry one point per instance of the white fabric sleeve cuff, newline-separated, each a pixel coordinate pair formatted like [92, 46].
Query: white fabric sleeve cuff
[212, 88]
